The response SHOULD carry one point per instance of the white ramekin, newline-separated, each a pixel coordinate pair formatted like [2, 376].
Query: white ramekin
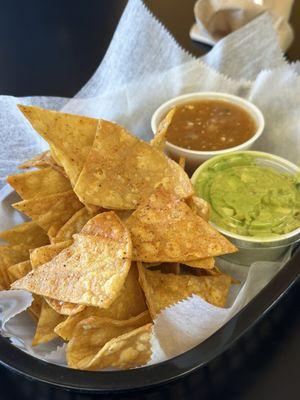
[195, 157]
[252, 248]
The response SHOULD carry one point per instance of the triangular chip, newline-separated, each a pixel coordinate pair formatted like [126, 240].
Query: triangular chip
[47, 322]
[39, 183]
[73, 225]
[17, 271]
[165, 229]
[44, 254]
[129, 303]
[121, 170]
[92, 271]
[29, 234]
[10, 255]
[70, 136]
[131, 350]
[200, 206]
[64, 307]
[43, 160]
[204, 263]
[163, 290]
[35, 308]
[160, 138]
[49, 210]
[91, 334]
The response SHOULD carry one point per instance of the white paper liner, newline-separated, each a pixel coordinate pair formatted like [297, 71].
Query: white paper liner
[143, 67]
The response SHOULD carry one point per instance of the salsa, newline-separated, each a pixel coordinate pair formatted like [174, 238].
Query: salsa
[250, 199]
[210, 125]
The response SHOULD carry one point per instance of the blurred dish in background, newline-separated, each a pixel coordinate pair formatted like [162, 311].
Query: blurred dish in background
[218, 18]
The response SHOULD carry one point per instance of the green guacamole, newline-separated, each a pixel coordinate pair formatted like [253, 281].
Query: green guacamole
[250, 198]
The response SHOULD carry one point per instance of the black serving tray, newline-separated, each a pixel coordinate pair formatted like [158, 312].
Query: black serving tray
[198, 358]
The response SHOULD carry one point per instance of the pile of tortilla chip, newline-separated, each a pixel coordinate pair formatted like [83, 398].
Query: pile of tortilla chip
[116, 235]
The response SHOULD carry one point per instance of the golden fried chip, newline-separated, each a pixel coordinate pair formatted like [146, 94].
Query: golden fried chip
[35, 308]
[200, 206]
[133, 349]
[1, 287]
[205, 263]
[47, 322]
[92, 271]
[49, 210]
[165, 229]
[182, 161]
[39, 183]
[121, 170]
[73, 225]
[163, 290]
[64, 307]
[19, 270]
[44, 254]
[159, 140]
[10, 255]
[43, 160]
[129, 303]
[70, 136]
[53, 231]
[29, 234]
[91, 334]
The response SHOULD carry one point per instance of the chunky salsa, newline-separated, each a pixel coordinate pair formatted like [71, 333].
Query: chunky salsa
[210, 125]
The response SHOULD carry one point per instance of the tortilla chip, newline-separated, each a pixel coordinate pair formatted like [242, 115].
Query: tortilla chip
[64, 307]
[131, 350]
[163, 290]
[39, 183]
[91, 334]
[200, 206]
[44, 254]
[165, 229]
[73, 225]
[43, 160]
[10, 255]
[204, 263]
[49, 210]
[182, 161]
[35, 308]
[47, 322]
[29, 234]
[70, 136]
[129, 303]
[53, 231]
[17, 271]
[160, 138]
[92, 271]
[121, 170]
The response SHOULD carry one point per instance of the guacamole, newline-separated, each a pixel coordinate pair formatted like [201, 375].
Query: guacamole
[249, 197]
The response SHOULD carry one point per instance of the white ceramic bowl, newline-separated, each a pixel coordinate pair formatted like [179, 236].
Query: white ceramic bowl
[252, 248]
[195, 157]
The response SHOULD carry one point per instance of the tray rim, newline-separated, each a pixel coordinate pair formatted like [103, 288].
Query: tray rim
[154, 375]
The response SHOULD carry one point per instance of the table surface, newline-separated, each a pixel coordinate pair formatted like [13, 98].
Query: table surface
[52, 48]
